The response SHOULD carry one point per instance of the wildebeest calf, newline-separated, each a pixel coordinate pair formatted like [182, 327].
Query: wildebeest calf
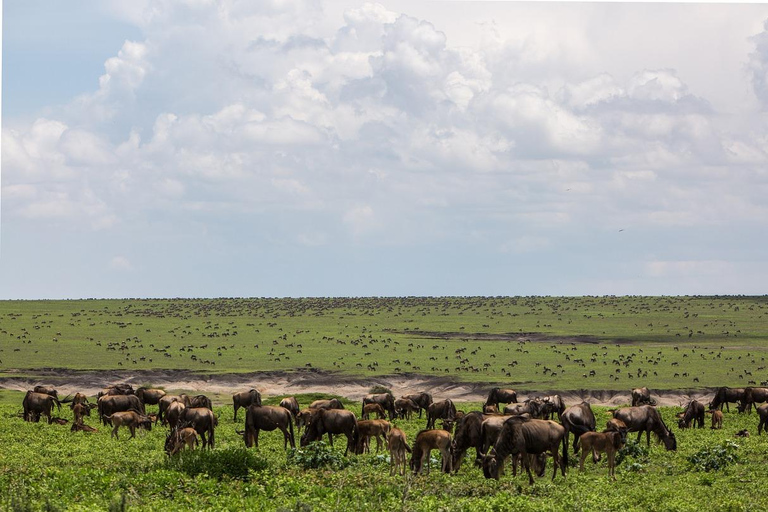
[609, 442]
[398, 445]
[426, 441]
[130, 419]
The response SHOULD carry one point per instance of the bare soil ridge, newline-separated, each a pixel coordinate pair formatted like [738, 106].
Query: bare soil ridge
[279, 383]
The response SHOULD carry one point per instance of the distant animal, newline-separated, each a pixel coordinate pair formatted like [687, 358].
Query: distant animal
[440, 410]
[726, 396]
[641, 396]
[717, 418]
[609, 442]
[426, 441]
[498, 396]
[130, 419]
[694, 411]
[398, 446]
[578, 419]
[385, 400]
[202, 420]
[333, 403]
[646, 418]
[178, 439]
[422, 400]
[245, 399]
[269, 418]
[405, 407]
[376, 409]
[291, 404]
[332, 421]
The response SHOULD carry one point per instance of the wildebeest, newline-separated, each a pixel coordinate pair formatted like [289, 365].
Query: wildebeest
[82, 427]
[468, 435]
[178, 439]
[405, 407]
[724, 396]
[197, 401]
[615, 425]
[534, 407]
[46, 390]
[304, 417]
[79, 398]
[717, 418]
[426, 441]
[245, 399]
[332, 421]
[202, 420]
[753, 396]
[109, 404]
[164, 403]
[130, 419]
[117, 389]
[525, 436]
[551, 405]
[173, 413]
[37, 404]
[490, 409]
[694, 411]
[762, 413]
[333, 403]
[371, 428]
[440, 410]
[642, 396]
[609, 442]
[385, 400]
[79, 411]
[490, 429]
[291, 404]
[150, 396]
[499, 396]
[397, 445]
[269, 418]
[422, 400]
[578, 419]
[646, 418]
[376, 409]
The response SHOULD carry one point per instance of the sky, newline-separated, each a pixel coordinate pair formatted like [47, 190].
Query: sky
[201, 148]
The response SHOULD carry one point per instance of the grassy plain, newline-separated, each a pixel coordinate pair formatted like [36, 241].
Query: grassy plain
[46, 467]
[527, 342]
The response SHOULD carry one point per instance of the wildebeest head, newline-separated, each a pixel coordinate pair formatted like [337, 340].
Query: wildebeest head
[491, 466]
[670, 443]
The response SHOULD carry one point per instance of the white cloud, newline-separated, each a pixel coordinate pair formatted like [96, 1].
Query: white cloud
[120, 263]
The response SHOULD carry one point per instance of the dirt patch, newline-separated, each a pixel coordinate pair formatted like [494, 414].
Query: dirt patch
[307, 381]
[509, 336]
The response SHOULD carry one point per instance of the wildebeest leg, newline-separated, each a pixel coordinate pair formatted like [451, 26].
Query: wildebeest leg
[205, 441]
[133, 431]
[648, 437]
[527, 465]
[210, 438]
[330, 439]
[581, 461]
[378, 443]
[236, 408]
[114, 432]
[612, 463]
[256, 438]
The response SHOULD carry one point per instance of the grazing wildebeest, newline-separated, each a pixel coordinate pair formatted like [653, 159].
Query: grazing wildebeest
[197, 401]
[694, 411]
[385, 400]
[641, 396]
[468, 435]
[116, 389]
[444, 410]
[333, 403]
[552, 404]
[397, 445]
[726, 395]
[609, 442]
[371, 428]
[717, 418]
[762, 413]
[291, 404]
[405, 407]
[150, 396]
[109, 404]
[526, 436]
[426, 441]
[376, 409]
[47, 390]
[304, 417]
[753, 396]
[37, 404]
[578, 419]
[245, 399]
[130, 419]
[499, 396]
[202, 420]
[534, 407]
[332, 421]
[422, 400]
[178, 438]
[269, 418]
[646, 418]
[173, 413]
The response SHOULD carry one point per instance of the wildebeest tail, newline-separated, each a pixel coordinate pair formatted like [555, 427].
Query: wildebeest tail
[290, 428]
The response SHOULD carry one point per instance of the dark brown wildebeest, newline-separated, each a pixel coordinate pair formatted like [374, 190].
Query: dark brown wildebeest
[609, 442]
[551, 405]
[150, 396]
[405, 407]
[371, 428]
[578, 419]
[304, 417]
[646, 418]
[422, 400]
[385, 400]
[426, 441]
[753, 396]
[197, 401]
[165, 402]
[724, 396]
[109, 404]
[694, 411]
[642, 396]
[245, 399]
[490, 429]
[499, 396]
[291, 404]
[47, 390]
[130, 419]
[525, 436]
[269, 418]
[202, 420]
[37, 404]
[173, 413]
[717, 419]
[116, 389]
[332, 421]
[333, 403]
[762, 413]
[178, 438]
[534, 407]
[444, 410]
[397, 445]
[376, 409]
[468, 435]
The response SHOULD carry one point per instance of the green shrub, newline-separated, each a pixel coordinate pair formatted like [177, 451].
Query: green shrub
[634, 449]
[235, 463]
[317, 455]
[379, 389]
[715, 458]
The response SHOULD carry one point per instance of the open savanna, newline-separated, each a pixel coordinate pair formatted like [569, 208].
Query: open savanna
[47, 467]
[536, 343]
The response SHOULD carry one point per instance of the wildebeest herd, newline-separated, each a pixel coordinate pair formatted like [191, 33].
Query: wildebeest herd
[526, 433]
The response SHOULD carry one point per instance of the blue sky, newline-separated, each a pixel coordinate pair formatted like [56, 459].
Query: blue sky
[202, 148]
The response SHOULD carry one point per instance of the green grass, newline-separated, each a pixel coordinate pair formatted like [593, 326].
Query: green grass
[649, 340]
[46, 467]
